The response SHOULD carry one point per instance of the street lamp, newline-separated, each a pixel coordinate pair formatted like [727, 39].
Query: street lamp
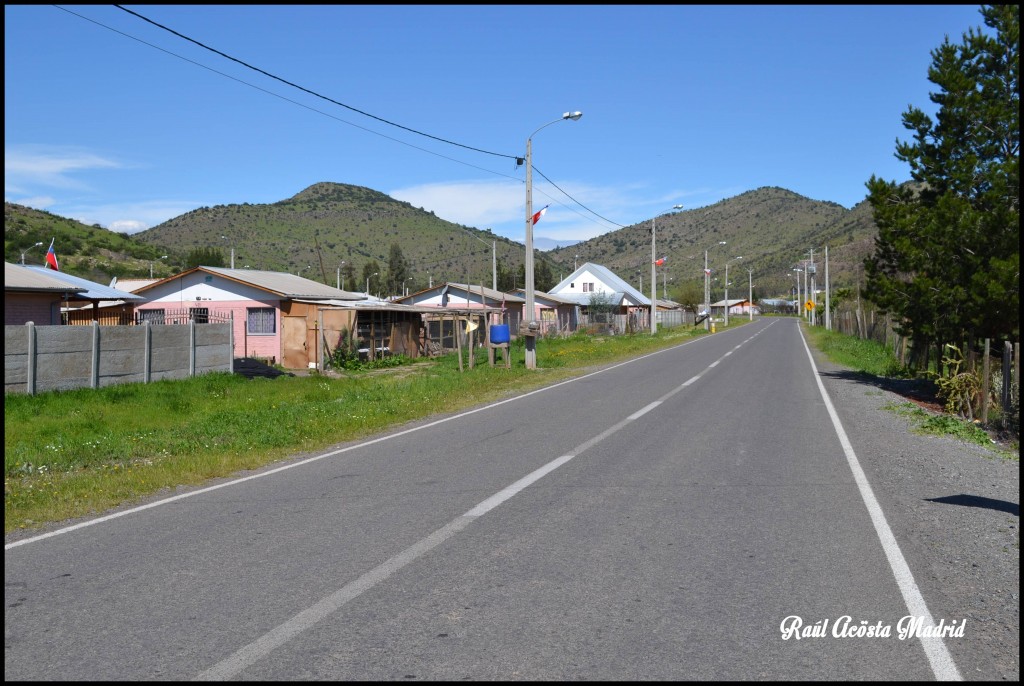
[29, 248]
[750, 293]
[232, 253]
[162, 257]
[707, 290]
[799, 300]
[738, 257]
[338, 275]
[654, 276]
[531, 350]
[368, 282]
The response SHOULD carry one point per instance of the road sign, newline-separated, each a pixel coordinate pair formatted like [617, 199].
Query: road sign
[809, 305]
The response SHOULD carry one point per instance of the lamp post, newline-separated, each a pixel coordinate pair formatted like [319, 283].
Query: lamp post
[799, 299]
[29, 248]
[654, 276]
[338, 283]
[738, 257]
[828, 317]
[707, 290]
[232, 253]
[531, 350]
[162, 257]
[368, 282]
[750, 293]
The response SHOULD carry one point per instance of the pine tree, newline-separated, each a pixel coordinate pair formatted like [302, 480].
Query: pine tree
[398, 270]
[947, 257]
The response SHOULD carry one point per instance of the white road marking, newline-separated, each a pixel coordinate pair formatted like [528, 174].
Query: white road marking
[934, 647]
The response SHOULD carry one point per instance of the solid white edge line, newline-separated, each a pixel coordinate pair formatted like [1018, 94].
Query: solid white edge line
[934, 647]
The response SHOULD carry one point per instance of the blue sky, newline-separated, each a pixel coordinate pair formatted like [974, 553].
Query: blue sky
[109, 119]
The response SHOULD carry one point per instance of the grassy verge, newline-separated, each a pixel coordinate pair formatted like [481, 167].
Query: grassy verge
[875, 359]
[76, 453]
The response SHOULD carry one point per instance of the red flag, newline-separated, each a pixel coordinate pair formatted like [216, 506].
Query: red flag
[708, 272]
[51, 258]
[540, 213]
[661, 261]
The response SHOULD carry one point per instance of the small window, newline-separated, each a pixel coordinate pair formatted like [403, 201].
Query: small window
[200, 315]
[261, 320]
[151, 316]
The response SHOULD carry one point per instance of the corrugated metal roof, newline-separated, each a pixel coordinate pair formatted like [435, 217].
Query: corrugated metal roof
[90, 289]
[609, 278]
[542, 295]
[18, 277]
[283, 284]
[489, 293]
[386, 306]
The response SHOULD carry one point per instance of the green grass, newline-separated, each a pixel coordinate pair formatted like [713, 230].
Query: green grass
[869, 357]
[942, 425]
[75, 453]
[875, 359]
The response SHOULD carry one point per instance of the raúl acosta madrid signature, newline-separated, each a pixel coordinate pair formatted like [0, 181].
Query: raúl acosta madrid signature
[910, 626]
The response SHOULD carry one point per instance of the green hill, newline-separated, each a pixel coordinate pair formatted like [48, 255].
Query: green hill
[328, 223]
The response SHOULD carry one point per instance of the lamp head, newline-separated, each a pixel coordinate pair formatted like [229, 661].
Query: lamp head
[572, 115]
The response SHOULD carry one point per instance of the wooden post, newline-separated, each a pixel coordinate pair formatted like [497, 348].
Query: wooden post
[984, 385]
[458, 338]
[1004, 398]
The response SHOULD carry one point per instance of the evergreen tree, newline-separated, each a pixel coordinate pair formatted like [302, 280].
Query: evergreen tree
[398, 270]
[543, 279]
[371, 276]
[947, 257]
[204, 257]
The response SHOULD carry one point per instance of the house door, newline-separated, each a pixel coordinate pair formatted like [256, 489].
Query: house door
[295, 353]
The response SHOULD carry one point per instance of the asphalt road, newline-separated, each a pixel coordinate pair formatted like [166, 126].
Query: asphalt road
[659, 519]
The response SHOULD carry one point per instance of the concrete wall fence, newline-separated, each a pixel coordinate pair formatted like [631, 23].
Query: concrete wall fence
[56, 358]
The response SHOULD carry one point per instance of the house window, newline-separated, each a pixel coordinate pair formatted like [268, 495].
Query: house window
[261, 320]
[588, 288]
[151, 316]
[200, 315]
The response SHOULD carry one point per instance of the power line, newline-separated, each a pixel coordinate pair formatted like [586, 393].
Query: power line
[518, 160]
[306, 90]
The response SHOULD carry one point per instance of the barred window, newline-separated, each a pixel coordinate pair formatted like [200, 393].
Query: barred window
[151, 316]
[200, 315]
[261, 320]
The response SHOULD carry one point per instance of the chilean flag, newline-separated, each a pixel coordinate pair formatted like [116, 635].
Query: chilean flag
[540, 213]
[51, 258]
[661, 261]
[708, 272]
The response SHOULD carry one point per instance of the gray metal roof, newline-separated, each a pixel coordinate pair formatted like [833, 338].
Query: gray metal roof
[283, 284]
[387, 306]
[86, 290]
[18, 277]
[609, 278]
[542, 295]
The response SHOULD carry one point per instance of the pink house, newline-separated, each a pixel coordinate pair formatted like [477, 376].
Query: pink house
[274, 314]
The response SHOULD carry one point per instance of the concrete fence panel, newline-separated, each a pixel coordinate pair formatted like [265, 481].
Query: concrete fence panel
[53, 358]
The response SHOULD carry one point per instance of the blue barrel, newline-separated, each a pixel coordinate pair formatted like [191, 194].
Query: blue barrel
[499, 333]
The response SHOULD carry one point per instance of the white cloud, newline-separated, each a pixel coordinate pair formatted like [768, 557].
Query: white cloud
[478, 204]
[29, 165]
[130, 217]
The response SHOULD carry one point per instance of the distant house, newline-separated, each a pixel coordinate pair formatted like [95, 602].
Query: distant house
[739, 306]
[95, 302]
[589, 280]
[555, 314]
[275, 314]
[467, 296]
[34, 296]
